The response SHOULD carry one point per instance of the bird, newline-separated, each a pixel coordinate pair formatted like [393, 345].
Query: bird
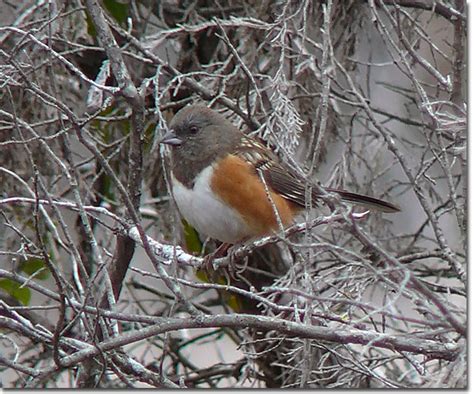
[230, 186]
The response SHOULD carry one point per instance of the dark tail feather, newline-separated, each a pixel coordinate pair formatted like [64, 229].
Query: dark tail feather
[369, 202]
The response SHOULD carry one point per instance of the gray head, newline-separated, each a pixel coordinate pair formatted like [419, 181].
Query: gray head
[198, 135]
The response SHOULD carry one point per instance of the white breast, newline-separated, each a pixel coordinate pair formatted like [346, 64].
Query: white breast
[206, 213]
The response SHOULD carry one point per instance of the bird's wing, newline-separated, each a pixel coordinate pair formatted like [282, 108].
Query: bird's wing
[290, 185]
[278, 178]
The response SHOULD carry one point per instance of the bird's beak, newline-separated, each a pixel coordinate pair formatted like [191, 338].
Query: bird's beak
[171, 138]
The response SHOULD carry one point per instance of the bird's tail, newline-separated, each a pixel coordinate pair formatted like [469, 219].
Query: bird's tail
[369, 202]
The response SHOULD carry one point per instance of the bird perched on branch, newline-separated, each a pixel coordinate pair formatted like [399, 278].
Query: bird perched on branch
[230, 186]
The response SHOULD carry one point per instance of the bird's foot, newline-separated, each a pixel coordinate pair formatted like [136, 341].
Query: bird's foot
[208, 260]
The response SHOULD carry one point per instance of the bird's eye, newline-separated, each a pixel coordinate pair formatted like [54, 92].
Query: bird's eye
[193, 129]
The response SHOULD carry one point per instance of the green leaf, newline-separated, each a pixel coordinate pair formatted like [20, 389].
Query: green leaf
[107, 188]
[22, 294]
[32, 266]
[90, 26]
[191, 237]
[118, 10]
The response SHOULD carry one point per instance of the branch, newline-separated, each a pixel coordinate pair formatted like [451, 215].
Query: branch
[124, 249]
[439, 8]
[167, 253]
[408, 343]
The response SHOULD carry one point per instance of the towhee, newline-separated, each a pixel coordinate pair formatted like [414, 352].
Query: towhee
[217, 173]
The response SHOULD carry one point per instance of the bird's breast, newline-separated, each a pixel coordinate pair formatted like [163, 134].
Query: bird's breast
[229, 202]
[207, 213]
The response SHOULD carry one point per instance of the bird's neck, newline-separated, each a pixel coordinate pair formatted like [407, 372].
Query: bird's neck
[186, 168]
[191, 158]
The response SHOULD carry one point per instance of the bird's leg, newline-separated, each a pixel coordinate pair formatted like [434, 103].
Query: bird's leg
[233, 259]
[209, 258]
[221, 250]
